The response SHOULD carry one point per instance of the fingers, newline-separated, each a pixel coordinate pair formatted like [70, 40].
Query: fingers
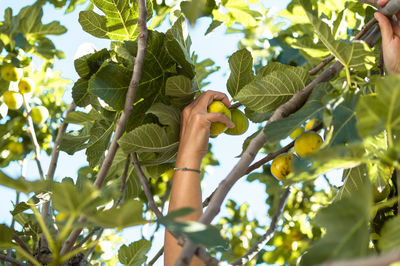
[382, 3]
[209, 96]
[386, 28]
[218, 117]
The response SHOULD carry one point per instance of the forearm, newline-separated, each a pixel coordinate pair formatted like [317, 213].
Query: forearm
[185, 192]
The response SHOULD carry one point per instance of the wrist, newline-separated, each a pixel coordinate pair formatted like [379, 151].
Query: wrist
[188, 159]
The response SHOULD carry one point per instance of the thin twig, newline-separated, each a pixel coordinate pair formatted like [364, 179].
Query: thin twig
[22, 244]
[120, 128]
[86, 238]
[12, 260]
[269, 234]
[123, 180]
[381, 63]
[146, 186]
[235, 106]
[91, 250]
[46, 210]
[32, 135]
[380, 260]
[294, 104]
[157, 256]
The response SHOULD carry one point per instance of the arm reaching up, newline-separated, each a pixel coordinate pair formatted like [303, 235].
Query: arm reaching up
[390, 29]
[186, 191]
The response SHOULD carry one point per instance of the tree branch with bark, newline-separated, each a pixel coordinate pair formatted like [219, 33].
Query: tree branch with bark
[129, 100]
[291, 106]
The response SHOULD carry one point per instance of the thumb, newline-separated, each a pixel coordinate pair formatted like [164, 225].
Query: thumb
[386, 28]
[218, 117]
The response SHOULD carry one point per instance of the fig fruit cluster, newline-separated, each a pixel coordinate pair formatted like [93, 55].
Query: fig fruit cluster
[306, 142]
[238, 118]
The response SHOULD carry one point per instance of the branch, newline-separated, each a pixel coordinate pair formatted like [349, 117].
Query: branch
[32, 135]
[129, 100]
[86, 238]
[12, 260]
[91, 250]
[22, 244]
[294, 104]
[46, 213]
[157, 256]
[269, 234]
[146, 186]
[380, 260]
[391, 8]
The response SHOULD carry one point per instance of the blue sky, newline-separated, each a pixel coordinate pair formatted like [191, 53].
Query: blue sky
[216, 46]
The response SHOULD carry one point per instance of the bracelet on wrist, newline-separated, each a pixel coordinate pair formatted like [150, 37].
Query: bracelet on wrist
[187, 169]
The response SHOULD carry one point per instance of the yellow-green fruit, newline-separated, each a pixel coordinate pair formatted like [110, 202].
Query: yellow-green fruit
[10, 72]
[16, 148]
[310, 125]
[168, 175]
[308, 143]
[282, 165]
[39, 114]
[381, 193]
[241, 123]
[12, 99]
[61, 216]
[26, 85]
[297, 132]
[218, 107]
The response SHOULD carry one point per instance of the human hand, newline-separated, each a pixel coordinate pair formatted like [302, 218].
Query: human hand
[390, 30]
[195, 127]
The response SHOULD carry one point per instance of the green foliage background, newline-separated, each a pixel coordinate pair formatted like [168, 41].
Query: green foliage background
[358, 110]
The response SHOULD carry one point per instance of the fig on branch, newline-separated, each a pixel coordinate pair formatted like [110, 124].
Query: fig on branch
[282, 166]
[308, 143]
[10, 72]
[310, 125]
[13, 100]
[218, 107]
[26, 85]
[297, 132]
[241, 123]
[16, 148]
[39, 114]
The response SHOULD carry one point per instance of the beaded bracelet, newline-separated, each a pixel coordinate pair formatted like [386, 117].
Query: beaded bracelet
[187, 169]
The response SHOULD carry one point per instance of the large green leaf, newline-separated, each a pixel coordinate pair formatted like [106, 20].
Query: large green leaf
[119, 22]
[168, 116]
[197, 232]
[100, 135]
[326, 159]
[146, 138]
[90, 63]
[381, 111]
[135, 253]
[70, 198]
[390, 235]
[30, 22]
[74, 141]
[21, 184]
[314, 108]
[111, 83]
[351, 55]
[343, 124]
[346, 223]
[178, 46]
[267, 93]
[354, 179]
[129, 213]
[179, 86]
[241, 64]
[6, 235]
